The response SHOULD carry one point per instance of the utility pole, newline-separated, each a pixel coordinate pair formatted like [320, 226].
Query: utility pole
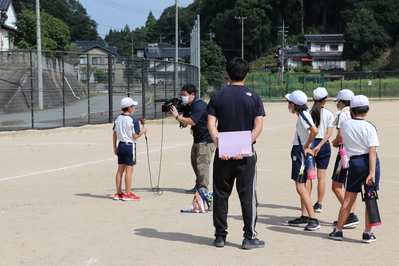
[242, 34]
[211, 35]
[39, 56]
[161, 38]
[283, 36]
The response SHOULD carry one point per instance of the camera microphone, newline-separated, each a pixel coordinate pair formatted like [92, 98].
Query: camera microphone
[161, 100]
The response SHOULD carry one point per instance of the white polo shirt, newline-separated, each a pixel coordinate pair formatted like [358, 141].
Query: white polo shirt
[326, 121]
[303, 124]
[125, 126]
[358, 135]
[342, 115]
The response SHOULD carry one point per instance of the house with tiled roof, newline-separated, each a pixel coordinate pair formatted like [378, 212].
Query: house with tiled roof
[8, 16]
[161, 51]
[95, 54]
[320, 51]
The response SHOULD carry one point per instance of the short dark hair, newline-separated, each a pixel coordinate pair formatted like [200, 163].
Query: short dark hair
[360, 109]
[237, 68]
[189, 88]
[346, 102]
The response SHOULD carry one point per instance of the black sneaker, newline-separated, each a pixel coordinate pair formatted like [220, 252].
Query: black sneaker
[317, 207]
[368, 238]
[312, 225]
[252, 243]
[299, 222]
[336, 235]
[219, 242]
[351, 222]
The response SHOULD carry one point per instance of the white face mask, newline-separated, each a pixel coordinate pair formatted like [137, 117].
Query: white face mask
[184, 99]
[290, 110]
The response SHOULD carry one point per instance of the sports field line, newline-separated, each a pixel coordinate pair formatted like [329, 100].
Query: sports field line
[85, 164]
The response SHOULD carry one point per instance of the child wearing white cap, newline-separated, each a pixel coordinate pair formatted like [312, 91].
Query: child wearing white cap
[126, 130]
[361, 142]
[304, 135]
[342, 102]
[323, 119]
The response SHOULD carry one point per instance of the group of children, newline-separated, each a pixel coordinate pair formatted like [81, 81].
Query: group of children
[356, 137]
[314, 128]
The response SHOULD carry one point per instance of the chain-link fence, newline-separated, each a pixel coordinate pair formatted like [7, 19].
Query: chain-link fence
[381, 84]
[82, 88]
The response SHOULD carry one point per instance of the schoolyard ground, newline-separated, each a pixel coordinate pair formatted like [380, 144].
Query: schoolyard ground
[56, 205]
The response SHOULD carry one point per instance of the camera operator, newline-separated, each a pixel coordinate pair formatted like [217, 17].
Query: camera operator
[196, 116]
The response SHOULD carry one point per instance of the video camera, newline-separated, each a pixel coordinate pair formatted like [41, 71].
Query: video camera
[169, 102]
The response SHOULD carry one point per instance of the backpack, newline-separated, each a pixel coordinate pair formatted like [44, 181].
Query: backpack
[201, 203]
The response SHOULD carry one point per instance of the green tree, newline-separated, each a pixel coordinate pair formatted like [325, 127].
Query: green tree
[72, 12]
[122, 40]
[151, 21]
[213, 62]
[100, 76]
[365, 40]
[386, 13]
[393, 59]
[55, 33]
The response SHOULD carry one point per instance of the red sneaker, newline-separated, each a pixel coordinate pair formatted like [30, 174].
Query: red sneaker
[131, 196]
[118, 196]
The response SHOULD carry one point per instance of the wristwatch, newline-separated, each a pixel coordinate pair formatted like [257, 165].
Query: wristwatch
[177, 117]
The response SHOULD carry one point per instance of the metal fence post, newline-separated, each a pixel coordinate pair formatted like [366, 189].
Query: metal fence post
[88, 87]
[63, 89]
[32, 102]
[143, 87]
[110, 89]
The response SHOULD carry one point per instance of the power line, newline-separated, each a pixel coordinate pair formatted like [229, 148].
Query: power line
[126, 7]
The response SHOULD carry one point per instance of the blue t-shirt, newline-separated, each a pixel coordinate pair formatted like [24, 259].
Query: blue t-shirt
[235, 108]
[197, 112]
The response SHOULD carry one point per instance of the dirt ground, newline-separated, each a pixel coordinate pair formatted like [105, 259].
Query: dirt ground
[56, 205]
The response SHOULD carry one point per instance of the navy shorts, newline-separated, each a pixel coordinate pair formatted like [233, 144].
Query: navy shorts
[358, 171]
[127, 153]
[339, 174]
[323, 156]
[298, 172]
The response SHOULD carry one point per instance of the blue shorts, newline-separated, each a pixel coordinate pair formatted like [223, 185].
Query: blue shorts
[127, 153]
[339, 174]
[358, 171]
[323, 156]
[298, 172]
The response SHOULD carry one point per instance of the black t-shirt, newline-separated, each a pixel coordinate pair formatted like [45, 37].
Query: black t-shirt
[235, 108]
[197, 112]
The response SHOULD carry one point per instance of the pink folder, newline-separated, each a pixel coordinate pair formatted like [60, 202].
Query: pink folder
[235, 142]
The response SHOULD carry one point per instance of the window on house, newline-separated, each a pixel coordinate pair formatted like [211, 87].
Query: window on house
[106, 60]
[333, 47]
[96, 60]
[82, 76]
[83, 60]
[320, 47]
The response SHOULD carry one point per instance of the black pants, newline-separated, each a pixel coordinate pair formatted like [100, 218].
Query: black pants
[224, 174]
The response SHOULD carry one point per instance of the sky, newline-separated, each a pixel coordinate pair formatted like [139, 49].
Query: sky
[116, 14]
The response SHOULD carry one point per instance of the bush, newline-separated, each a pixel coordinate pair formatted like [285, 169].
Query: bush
[306, 69]
[274, 70]
[100, 76]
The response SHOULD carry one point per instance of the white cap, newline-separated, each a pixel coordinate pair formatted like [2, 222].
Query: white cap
[345, 95]
[297, 97]
[359, 100]
[127, 102]
[319, 93]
